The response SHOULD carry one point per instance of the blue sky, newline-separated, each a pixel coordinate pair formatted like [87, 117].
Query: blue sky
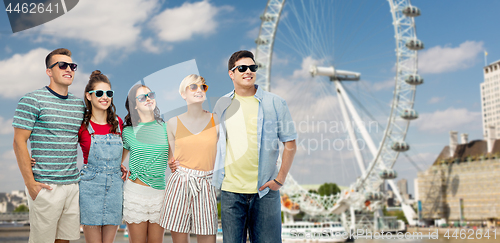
[130, 40]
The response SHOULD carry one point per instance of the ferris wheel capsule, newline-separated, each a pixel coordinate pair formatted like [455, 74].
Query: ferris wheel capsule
[388, 174]
[409, 114]
[261, 41]
[414, 44]
[400, 146]
[411, 11]
[268, 17]
[414, 79]
[373, 196]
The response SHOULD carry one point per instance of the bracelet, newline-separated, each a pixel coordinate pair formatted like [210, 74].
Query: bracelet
[277, 182]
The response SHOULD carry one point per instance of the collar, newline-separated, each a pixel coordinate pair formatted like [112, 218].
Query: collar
[259, 94]
[56, 94]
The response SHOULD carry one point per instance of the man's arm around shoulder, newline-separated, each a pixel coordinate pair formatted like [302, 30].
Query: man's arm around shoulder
[20, 145]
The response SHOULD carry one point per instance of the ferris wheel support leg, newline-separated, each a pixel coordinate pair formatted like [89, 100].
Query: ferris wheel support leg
[353, 219]
[357, 119]
[376, 219]
[354, 140]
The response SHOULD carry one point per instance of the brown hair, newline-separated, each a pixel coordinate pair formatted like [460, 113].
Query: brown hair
[132, 117]
[95, 78]
[237, 56]
[60, 51]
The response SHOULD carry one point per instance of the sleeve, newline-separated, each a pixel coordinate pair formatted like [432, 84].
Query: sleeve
[27, 113]
[286, 126]
[84, 140]
[80, 133]
[126, 145]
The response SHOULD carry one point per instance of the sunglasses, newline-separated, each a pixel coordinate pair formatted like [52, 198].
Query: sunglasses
[142, 97]
[99, 93]
[243, 68]
[64, 65]
[194, 87]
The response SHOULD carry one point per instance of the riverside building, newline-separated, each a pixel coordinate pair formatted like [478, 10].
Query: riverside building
[462, 187]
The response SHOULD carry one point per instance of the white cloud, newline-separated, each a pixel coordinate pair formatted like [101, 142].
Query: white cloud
[10, 177]
[449, 119]
[435, 100]
[385, 85]
[148, 44]
[446, 59]
[253, 33]
[6, 126]
[413, 162]
[9, 155]
[182, 23]
[23, 73]
[110, 24]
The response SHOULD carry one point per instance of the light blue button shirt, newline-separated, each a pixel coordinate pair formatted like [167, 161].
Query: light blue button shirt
[274, 125]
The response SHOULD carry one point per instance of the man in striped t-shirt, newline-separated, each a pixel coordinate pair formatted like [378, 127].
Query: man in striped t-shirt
[50, 118]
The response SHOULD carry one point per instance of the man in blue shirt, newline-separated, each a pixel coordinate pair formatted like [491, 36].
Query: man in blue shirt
[253, 123]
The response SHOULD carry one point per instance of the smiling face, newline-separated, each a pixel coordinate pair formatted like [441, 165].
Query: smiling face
[59, 77]
[103, 102]
[146, 106]
[194, 96]
[245, 79]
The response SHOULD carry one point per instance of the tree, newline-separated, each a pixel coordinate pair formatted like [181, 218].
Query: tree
[21, 209]
[328, 189]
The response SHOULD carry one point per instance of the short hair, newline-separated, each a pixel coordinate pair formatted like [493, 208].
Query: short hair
[190, 79]
[237, 56]
[60, 51]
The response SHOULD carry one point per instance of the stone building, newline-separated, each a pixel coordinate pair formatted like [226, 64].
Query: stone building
[463, 184]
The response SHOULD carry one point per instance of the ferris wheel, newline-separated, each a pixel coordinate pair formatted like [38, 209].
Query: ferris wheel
[307, 21]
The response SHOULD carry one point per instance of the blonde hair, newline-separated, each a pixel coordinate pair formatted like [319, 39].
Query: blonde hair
[190, 79]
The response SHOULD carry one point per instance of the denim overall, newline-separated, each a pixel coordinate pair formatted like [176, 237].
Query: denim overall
[101, 185]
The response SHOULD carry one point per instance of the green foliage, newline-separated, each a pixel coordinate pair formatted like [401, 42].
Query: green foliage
[218, 209]
[328, 189]
[399, 214]
[21, 209]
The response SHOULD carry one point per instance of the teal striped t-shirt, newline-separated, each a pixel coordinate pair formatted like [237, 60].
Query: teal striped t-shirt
[148, 146]
[54, 121]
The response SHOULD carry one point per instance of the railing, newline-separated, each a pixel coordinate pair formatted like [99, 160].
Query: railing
[14, 217]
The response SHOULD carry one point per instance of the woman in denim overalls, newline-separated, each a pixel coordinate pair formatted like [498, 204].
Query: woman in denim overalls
[101, 178]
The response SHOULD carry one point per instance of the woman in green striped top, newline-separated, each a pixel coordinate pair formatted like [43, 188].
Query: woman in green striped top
[145, 138]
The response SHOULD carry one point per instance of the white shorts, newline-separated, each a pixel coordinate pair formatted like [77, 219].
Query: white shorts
[190, 205]
[55, 214]
[141, 203]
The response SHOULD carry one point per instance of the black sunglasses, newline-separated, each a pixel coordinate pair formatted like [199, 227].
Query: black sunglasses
[243, 68]
[64, 65]
[99, 93]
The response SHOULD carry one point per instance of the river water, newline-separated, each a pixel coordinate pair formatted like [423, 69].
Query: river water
[21, 235]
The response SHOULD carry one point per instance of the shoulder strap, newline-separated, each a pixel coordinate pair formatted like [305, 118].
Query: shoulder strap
[118, 128]
[90, 129]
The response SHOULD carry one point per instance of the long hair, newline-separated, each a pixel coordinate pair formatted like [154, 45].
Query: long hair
[95, 78]
[132, 117]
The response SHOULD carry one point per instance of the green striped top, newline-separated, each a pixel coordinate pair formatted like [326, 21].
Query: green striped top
[148, 146]
[54, 121]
